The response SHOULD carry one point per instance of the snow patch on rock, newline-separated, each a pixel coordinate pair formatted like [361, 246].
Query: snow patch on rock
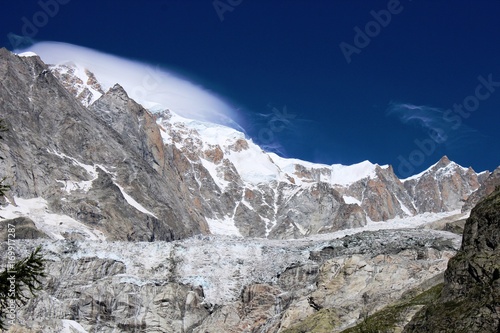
[351, 200]
[132, 202]
[223, 226]
[55, 226]
[71, 326]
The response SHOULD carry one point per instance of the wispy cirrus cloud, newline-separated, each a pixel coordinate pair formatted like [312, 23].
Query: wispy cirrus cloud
[433, 121]
[427, 118]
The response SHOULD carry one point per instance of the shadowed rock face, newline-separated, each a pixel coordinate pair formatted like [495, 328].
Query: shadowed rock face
[54, 144]
[470, 300]
[24, 227]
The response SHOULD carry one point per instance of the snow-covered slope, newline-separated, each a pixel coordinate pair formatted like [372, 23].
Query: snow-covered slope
[91, 73]
[55, 226]
[232, 160]
[443, 168]
[80, 81]
[335, 174]
[253, 164]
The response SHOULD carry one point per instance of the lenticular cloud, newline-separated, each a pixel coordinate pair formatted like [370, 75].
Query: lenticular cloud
[155, 88]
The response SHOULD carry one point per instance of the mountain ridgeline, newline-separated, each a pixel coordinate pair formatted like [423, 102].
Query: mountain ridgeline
[104, 161]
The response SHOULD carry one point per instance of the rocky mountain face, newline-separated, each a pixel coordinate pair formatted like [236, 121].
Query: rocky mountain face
[227, 284]
[61, 151]
[133, 175]
[470, 300]
[79, 81]
[488, 185]
[286, 198]
[444, 186]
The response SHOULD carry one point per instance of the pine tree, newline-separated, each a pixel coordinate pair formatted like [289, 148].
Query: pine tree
[19, 283]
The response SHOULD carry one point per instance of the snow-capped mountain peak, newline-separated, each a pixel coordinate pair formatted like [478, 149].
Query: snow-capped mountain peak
[442, 167]
[218, 179]
[230, 164]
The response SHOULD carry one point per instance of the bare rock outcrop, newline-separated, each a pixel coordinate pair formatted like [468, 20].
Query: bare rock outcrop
[487, 187]
[228, 284]
[58, 150]
[24, 228]
[470, 300]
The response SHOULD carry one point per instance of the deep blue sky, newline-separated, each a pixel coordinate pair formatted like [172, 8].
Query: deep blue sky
[276, 53]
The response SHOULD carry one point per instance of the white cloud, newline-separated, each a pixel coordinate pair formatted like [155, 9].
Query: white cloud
[152, 86]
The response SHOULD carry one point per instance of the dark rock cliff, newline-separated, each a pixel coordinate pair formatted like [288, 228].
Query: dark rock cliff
[470, 300]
